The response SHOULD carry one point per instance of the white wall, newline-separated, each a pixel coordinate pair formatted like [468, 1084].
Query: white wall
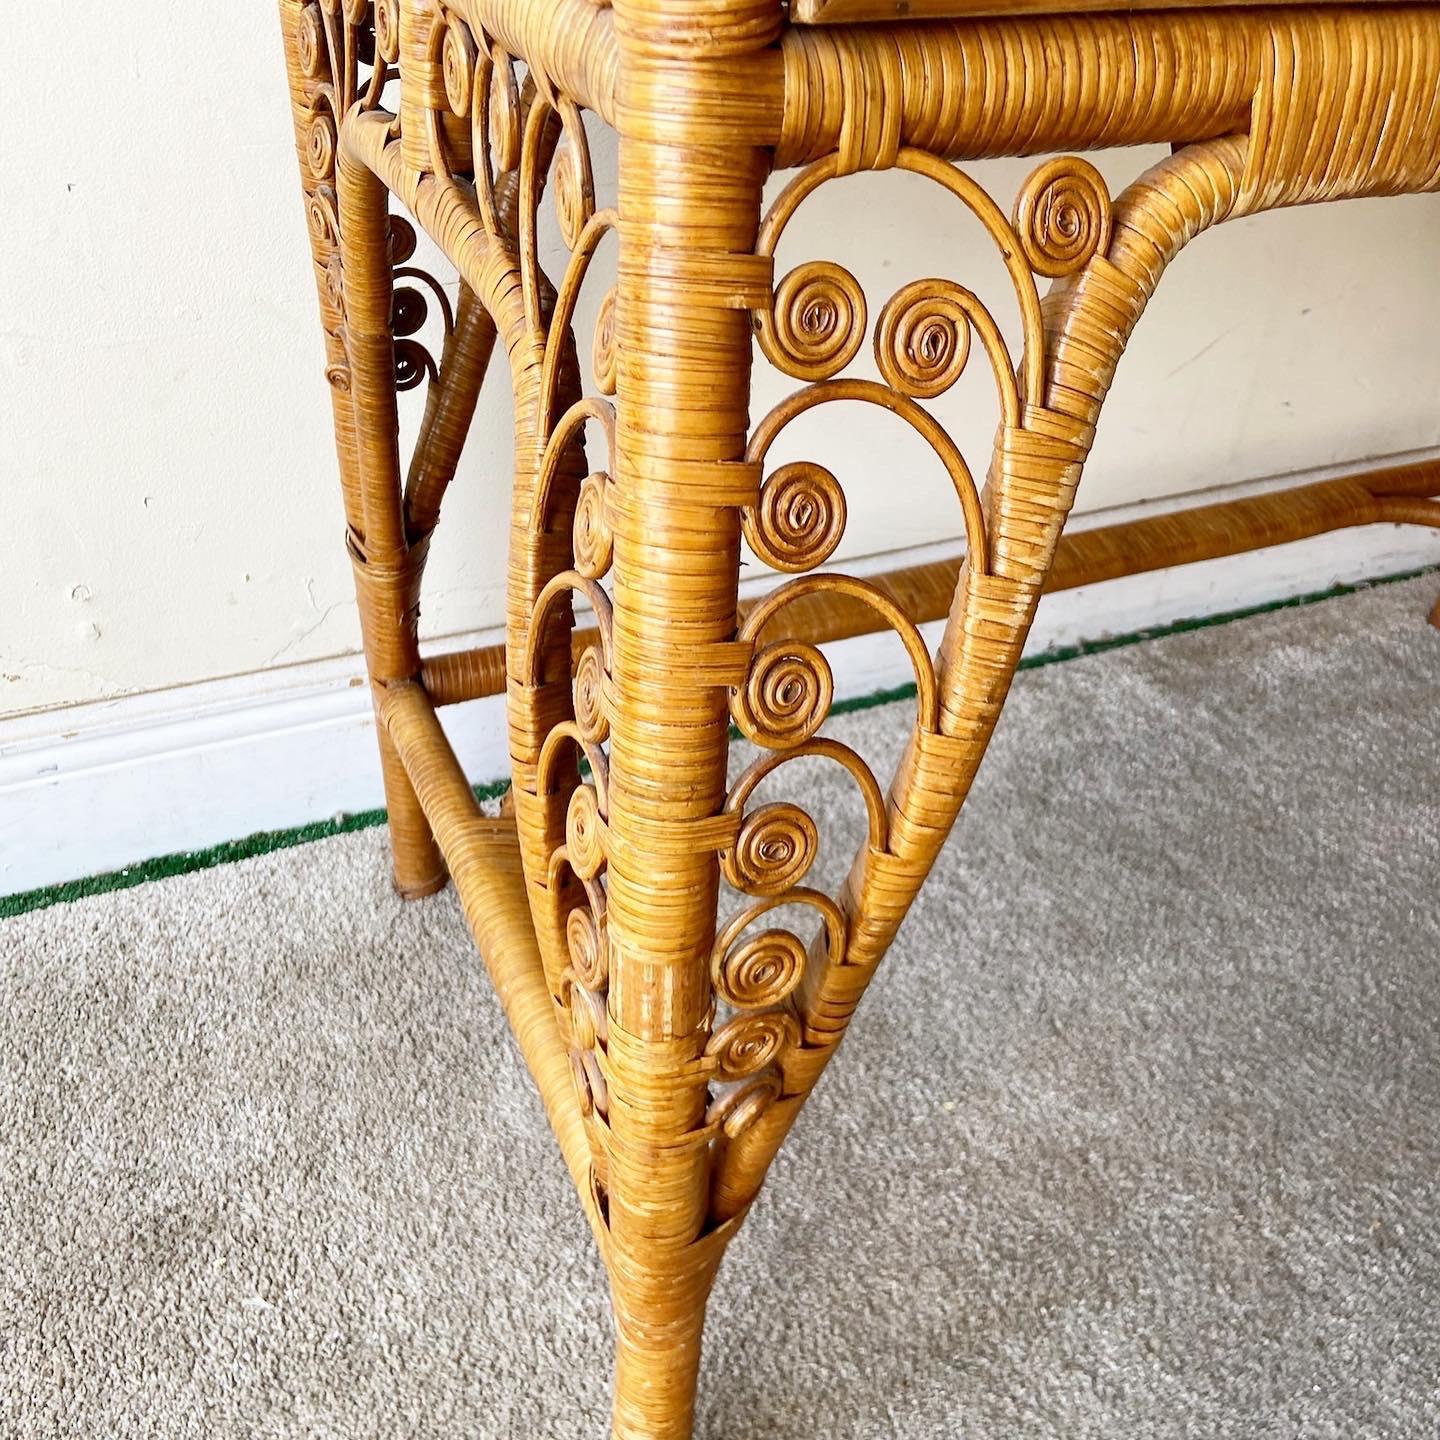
[170, 504]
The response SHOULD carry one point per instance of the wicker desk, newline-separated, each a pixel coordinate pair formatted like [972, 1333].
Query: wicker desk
[674, 1053]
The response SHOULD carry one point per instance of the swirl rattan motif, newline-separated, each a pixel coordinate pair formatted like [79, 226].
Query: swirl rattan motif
[675, 1036]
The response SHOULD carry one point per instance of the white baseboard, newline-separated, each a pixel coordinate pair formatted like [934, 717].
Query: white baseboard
[92, 788]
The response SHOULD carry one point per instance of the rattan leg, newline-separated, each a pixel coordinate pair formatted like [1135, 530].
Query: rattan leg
[688, 220]
[416, 866]
[360, 366]
[388, 568]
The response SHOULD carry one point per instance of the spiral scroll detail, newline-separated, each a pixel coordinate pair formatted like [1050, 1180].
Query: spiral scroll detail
[817, 323]
[402, 239]
[739, 1108]
[504, 101]
[591, 538]
[574, 187]
[588, 945]
[746, 1044]
[590, 712]
[589, 1023]
[387, 30]
[777, 843]
[320, 145]
[605, 360]
[457, 65]
[1063, 216]
[335, 283]
[922, 340]
[413, 364]
[761, 971]
[799, 519]
[583, 839]
[310, 42]
[323, 212]
[786, 696]
[408, 310]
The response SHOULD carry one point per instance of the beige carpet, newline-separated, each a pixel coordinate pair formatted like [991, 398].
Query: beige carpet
[1138, 1134]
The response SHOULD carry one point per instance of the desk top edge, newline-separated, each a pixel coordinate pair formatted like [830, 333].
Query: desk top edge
[856, 12]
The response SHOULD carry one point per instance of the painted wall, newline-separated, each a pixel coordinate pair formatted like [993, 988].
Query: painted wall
[170, 506]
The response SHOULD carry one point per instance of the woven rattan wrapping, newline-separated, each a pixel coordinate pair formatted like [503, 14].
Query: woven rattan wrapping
[675, 1034]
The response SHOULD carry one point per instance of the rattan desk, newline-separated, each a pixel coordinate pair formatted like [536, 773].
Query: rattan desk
[674, 1054]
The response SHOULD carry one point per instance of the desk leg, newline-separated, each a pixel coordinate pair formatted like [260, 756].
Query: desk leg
[360, 367]
[682, 417]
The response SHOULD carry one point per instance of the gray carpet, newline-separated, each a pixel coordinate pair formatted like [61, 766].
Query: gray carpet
[1135, 1136]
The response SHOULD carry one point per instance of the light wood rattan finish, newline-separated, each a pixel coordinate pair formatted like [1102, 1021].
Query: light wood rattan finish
[674, 1049]
[850, 12]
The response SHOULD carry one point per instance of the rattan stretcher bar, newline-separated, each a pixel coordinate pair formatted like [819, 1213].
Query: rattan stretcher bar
[675, 1036]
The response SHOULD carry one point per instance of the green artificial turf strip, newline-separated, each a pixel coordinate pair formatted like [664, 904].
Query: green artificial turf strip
[264, 841]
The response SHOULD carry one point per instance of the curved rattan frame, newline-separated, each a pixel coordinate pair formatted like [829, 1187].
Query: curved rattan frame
[674, 1051]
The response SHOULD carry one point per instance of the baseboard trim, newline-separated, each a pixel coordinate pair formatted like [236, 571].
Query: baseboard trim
[104, 789]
